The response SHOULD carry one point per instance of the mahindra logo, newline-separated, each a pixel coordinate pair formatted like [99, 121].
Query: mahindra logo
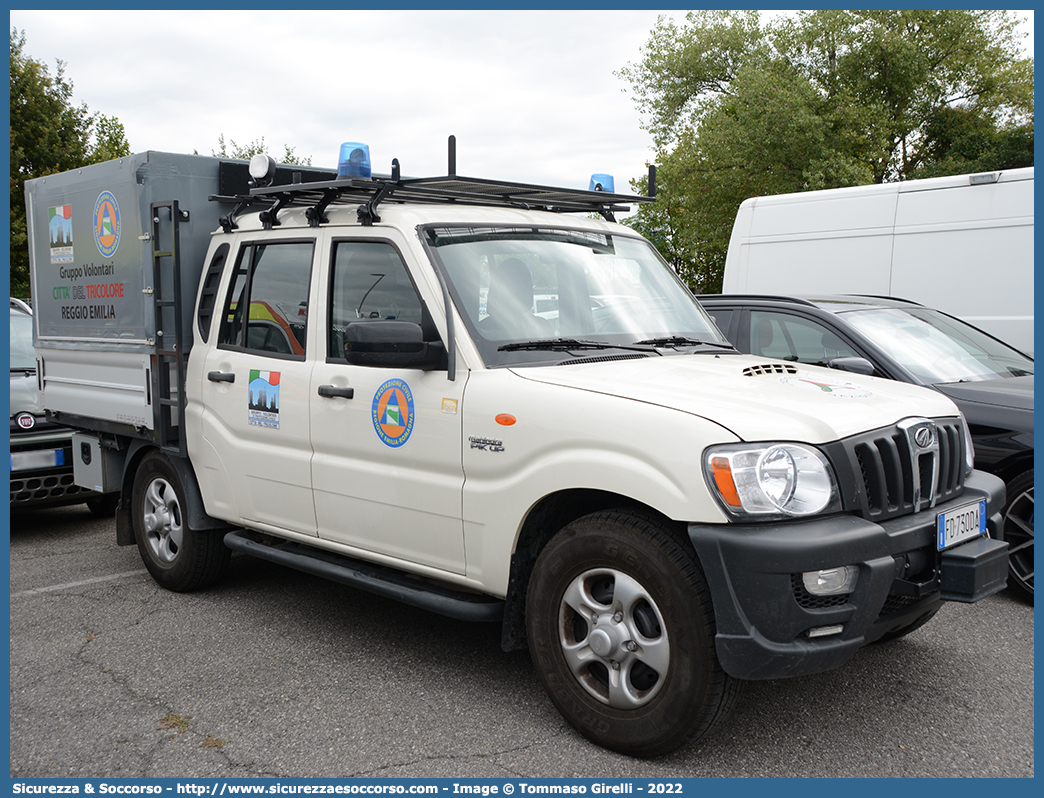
[923, 445]
[25, 420]
[924, 437]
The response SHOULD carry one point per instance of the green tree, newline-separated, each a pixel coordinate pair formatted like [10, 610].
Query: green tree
[957, 141]
[49, 134]
[109, 140]
[740, 108]
[256, 147]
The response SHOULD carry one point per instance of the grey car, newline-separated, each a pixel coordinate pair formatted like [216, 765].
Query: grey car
[989, 381]
[41, 451]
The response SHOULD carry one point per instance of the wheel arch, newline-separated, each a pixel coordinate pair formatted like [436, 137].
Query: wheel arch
[544, 520]
[195, 513]
[1013, 466]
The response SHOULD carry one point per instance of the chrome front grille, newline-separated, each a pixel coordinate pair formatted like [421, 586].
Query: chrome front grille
[898, 470]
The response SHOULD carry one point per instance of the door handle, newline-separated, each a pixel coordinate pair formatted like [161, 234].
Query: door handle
[221, 376]
[330, 391]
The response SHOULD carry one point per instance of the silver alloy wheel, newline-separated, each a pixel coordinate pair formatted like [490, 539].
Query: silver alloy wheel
[162, 517]
[614, 638]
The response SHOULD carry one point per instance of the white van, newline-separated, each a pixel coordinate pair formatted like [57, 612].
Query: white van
[962, 244]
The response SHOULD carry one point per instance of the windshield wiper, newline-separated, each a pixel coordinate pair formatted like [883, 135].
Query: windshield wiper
[678, 340]
[566, 344]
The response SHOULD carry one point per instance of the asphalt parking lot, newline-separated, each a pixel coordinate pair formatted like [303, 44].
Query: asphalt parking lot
[278, 674]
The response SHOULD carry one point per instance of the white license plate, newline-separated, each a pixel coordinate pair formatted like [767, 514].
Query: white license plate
[24, 461]
[961, 524]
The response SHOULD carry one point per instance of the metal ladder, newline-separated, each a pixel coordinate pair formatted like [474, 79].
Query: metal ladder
[169, 356]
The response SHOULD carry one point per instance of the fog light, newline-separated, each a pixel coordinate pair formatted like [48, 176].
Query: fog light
[831, 581]
[825, 631]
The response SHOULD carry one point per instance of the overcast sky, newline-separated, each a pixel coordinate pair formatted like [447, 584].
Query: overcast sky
[530, 95]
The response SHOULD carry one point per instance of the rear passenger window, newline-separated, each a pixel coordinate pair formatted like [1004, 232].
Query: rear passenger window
[208, 295]
[266, 310]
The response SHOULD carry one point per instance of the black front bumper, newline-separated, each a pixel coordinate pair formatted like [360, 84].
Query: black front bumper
[764, 613]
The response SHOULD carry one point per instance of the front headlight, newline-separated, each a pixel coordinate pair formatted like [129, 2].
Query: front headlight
[768, 481]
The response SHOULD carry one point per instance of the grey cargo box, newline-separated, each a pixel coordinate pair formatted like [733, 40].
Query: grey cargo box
[91, 258]
[116, 251]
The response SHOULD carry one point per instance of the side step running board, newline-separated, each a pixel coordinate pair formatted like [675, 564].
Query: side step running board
[377, 579]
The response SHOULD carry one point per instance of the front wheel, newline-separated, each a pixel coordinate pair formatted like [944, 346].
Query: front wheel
[621, 630]
[1018, 532]
[178, 557]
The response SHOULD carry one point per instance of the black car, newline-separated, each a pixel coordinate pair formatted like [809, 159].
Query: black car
[989, 381]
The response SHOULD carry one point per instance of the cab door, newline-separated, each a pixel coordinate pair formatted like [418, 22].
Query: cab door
[387, 469]
[255, 386]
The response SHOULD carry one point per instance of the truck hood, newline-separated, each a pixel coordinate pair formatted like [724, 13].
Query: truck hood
[1013, 392]
[24, 398]
[750, 397]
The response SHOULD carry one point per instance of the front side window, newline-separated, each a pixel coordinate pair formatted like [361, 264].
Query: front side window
[722, 317]
[521, 290]
[266, 309]
[370, 283]
[784, 336]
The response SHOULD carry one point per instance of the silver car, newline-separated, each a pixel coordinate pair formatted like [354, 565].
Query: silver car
[41, 451]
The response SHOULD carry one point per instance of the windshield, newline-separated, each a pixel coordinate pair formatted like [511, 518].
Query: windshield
[530, 295]
[22, 355]
[937, 348]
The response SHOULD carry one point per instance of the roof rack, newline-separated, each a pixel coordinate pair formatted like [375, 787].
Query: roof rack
[762, 297]
[452, 188]
[884, 296]
[807, 299]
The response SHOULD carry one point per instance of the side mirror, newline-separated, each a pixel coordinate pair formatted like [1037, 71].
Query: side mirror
[391, 344]
[856, 365]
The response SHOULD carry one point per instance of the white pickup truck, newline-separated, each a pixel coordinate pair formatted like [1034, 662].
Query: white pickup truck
[347, 373]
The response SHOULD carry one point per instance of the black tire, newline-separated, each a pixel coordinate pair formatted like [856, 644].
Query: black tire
[103, 506]
[179, 558]
[645, 607]
[1018, 532]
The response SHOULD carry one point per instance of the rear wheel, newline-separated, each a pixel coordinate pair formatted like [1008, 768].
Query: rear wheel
[1018, 532]
[621, 629]
[179, 558]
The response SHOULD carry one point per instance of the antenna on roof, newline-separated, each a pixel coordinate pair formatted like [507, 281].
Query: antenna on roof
[452, 168]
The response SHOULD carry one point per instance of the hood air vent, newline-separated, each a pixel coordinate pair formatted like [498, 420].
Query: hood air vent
[768, 368]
